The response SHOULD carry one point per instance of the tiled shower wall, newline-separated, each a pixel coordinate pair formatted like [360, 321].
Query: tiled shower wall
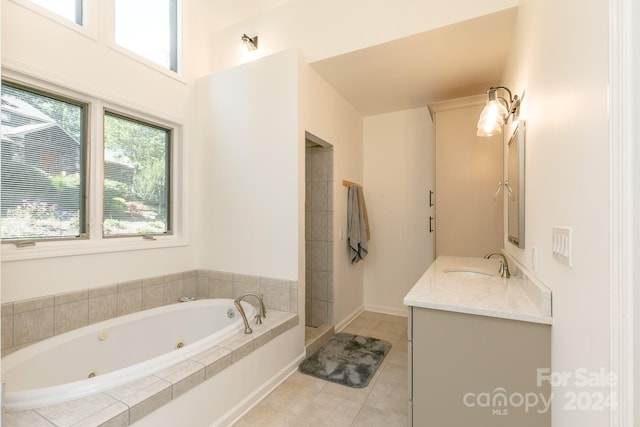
[28, 321]
[319, 232]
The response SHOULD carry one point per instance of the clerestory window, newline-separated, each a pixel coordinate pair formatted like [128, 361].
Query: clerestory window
[68, 9]
[149, 28]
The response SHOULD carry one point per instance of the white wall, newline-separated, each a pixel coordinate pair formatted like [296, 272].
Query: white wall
[257, 115]
[634, 49]
[325, 114]
[251, 177]
[398, 174]
[84, 61]
[560, 58]
[322, 29]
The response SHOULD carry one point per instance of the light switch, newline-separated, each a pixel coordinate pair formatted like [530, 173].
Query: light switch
[561, 245]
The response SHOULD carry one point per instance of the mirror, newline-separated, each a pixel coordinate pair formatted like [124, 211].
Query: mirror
[515, 185]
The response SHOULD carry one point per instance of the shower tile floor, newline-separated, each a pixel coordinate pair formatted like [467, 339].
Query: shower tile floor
[302, 400]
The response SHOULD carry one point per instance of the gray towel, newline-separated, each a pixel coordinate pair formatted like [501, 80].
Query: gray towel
[357, 225]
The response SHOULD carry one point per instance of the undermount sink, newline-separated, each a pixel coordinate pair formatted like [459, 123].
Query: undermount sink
[471, 271]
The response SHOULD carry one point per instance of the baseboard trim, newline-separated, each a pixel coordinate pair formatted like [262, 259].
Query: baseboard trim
[242, 408]
[340, 326]
[388, 310]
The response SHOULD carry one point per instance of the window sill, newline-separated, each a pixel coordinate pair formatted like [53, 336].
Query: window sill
[175, 75]
[66, 248]
[88, 29]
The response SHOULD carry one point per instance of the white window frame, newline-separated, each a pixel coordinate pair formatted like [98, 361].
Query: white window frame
[111, 43]
[150, 123]
[96, 243]
[86, 151]
[101, 13]
[88, 28]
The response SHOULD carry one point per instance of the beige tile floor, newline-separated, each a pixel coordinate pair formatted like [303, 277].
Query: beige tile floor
[306, 401]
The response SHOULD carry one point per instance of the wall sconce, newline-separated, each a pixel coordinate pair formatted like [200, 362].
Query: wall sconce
[251, 43]
[496, 111]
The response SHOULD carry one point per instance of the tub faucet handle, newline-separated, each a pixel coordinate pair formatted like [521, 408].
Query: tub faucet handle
[258, 319]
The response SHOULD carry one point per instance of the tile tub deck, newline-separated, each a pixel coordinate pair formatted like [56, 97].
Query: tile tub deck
[126, 404]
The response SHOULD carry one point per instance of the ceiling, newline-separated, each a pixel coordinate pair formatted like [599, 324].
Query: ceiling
[228, 12]
[458, 60]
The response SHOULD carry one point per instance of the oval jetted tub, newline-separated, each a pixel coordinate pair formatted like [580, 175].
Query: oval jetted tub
[108, 354]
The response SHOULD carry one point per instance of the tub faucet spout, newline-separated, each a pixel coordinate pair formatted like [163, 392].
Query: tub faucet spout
[262, 313]
[504, 265]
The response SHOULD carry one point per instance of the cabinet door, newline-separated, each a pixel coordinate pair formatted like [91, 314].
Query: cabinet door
[463, 364]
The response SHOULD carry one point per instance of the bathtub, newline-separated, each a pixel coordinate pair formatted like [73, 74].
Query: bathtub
[109, 354]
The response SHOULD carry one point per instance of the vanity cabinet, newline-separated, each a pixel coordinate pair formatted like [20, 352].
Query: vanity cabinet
[474, 371]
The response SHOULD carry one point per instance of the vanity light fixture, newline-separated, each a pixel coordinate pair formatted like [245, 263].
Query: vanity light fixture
[496, 111]
[251, 43]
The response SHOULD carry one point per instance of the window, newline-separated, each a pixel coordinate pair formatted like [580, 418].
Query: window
[150, 29]
[136, 177]
[50, 195]
[69, 9]
[43, 165]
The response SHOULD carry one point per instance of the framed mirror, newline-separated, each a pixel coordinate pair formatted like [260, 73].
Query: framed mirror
[515, 185]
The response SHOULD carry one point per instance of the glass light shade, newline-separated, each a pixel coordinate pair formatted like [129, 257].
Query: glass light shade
[492, 116]
[489, 128]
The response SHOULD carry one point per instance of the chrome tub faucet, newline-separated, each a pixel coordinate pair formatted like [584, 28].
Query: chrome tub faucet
[262, 312]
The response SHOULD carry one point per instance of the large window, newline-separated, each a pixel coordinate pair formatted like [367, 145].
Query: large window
[48, 191]
[136, 177]
[69, 9]
[43, 170]
[150, 29]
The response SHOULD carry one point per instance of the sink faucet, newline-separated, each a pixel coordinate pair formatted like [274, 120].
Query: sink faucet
[262, 313]
[504, 265]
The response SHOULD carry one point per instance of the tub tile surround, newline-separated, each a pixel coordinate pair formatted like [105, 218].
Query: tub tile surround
[29, 321]
[127, 404]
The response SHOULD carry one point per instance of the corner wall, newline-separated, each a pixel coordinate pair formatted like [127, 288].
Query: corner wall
[251, 174]
[257, 115]
[560, 57]
[326, 115]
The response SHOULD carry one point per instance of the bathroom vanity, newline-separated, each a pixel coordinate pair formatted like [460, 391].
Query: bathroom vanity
[479, 347]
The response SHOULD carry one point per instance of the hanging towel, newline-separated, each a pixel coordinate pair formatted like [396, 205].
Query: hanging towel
[357, 224]
[363, 208]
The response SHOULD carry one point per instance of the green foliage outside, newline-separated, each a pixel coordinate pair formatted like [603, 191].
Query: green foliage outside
[37, 205]
[40, 205]
[27, 183]
[146, 148]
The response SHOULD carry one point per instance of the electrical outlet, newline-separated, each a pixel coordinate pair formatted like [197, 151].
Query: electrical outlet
[561, 245]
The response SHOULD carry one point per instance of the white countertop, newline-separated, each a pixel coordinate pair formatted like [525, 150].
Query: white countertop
[474, 286]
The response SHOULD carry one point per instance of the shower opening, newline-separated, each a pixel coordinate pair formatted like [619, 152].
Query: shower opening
[319, 237]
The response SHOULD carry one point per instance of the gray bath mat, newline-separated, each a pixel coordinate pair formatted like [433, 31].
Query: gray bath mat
[346, 359]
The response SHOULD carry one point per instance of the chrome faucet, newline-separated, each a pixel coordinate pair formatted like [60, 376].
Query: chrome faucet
[262, 313]
[504, 265]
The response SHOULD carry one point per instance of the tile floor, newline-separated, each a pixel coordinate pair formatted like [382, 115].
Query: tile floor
[306, 401]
